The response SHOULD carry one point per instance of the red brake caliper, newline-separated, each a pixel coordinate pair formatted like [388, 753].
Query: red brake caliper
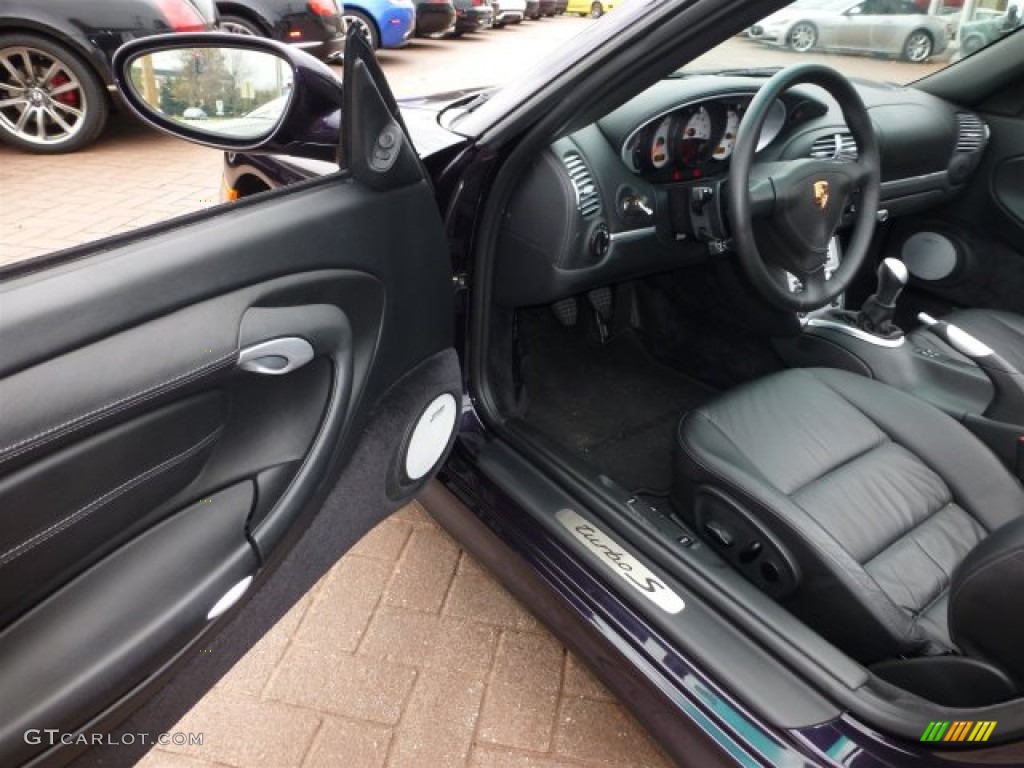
[68, 97]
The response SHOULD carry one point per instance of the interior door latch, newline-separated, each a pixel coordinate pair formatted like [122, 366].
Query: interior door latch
[277, 356]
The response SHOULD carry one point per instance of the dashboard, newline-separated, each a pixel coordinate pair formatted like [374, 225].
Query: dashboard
[632, 193]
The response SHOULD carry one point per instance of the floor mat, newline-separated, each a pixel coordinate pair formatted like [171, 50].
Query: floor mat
[610, 404]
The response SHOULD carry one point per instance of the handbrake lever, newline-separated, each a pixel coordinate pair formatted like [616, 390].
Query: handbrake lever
[1008, 401]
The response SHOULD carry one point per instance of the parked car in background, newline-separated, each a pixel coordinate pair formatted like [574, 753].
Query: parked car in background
[533, 9]
[315, 26]
[434, 17]
[385, 23]
[508, 12]
[891, 27]
[56, 86]
[975, 35]
[472, 16]
[595, 9]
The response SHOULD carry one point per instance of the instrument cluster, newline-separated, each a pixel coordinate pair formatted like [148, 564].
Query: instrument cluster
[696, 140]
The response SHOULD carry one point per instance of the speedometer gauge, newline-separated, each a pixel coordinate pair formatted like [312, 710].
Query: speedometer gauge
[727, 143]
[693, 137]
[660, 148]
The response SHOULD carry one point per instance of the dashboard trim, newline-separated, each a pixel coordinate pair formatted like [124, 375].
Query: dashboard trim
[628, 235]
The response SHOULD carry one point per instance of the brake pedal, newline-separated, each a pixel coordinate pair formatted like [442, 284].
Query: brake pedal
[567, 311]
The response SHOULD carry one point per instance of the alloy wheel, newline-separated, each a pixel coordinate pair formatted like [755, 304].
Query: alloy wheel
[918, 47]
[235, 28]
[803, 37]
[356, 22]
[42, 102]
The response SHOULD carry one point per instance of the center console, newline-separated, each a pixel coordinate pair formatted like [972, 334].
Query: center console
[937, 362]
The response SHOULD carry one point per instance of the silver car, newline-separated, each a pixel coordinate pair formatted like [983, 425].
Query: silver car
[891, 27]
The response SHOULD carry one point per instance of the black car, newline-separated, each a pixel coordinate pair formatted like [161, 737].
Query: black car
[434, 17]
[315, 26]
[665, 333]
[56, 86]
[472, 16]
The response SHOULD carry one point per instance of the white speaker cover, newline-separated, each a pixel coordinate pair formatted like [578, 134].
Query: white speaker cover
[430, 436]
[930, 256]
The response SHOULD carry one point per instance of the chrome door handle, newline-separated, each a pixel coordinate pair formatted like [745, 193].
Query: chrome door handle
[277, 356]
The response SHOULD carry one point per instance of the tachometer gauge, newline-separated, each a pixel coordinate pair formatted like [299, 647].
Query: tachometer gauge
[727, 143]
[660, 150]
[693, 137]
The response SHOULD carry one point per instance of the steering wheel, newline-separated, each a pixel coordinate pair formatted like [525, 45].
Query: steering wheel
[795, 206]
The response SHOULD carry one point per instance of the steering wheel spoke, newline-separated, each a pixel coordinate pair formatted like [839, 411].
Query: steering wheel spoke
[799, 204]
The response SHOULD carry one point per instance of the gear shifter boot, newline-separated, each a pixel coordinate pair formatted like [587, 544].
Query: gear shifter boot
[878, 311]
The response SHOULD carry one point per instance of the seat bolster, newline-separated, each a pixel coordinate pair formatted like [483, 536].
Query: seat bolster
[979, 482]
[835, 592]
[985, 619]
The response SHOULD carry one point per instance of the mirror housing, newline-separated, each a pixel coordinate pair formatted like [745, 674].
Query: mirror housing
[309, 126]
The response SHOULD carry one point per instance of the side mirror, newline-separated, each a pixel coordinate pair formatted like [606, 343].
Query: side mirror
[233, 93]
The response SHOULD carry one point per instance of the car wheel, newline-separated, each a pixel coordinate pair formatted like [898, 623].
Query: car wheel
[918, 46]
[803, 36]
[596, 10]
[359, 22]
[972, 44]
[238, 25]
[50, 101]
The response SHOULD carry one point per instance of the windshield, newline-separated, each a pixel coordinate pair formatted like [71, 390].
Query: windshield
[892, 40]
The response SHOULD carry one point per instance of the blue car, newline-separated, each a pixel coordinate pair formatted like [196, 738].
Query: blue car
[385, 23]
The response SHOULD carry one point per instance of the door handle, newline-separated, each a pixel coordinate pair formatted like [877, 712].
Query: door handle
[277, 356]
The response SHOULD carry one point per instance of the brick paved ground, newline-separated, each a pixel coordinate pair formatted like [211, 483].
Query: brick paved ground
[408, 654]
[131, 177]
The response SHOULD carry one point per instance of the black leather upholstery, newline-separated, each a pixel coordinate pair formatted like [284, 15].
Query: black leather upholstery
[876, 495]
[985, 598]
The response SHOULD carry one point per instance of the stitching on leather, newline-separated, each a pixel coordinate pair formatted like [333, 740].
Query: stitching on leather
[886, 622]
[48, 533]
[28, 443]
[885, 441]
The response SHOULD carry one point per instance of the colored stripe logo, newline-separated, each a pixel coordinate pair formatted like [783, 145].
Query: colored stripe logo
[959, 730]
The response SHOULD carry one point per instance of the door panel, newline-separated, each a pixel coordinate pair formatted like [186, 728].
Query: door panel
[64, 511]
[146, 469]
[107, 630]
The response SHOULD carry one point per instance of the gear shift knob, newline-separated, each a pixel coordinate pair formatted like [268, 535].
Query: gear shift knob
[892, 279]
[878, 311]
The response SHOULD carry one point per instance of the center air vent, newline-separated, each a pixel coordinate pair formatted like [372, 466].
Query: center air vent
[588, 200]
[838, 146]
[971, 132]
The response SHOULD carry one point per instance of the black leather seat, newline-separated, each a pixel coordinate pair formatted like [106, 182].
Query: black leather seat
[857, 505]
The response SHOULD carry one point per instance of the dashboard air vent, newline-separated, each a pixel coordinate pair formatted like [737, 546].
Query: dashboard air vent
[971, 132]
[588, 200]
[838, 146]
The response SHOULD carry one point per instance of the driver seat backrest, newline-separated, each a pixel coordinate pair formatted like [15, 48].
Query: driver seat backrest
[875, 496]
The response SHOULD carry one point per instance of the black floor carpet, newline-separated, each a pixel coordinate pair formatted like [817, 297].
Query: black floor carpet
[611, 404]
